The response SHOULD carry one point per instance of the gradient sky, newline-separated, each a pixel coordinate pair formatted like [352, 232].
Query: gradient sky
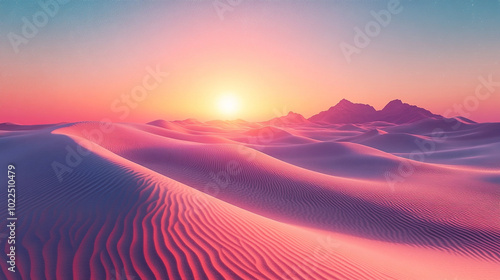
[274, 56]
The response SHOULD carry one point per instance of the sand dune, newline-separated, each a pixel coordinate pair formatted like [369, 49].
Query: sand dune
[221, 200]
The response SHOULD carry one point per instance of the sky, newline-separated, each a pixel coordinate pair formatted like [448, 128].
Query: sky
[138, 61]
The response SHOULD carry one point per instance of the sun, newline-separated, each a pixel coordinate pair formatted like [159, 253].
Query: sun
[228, 104]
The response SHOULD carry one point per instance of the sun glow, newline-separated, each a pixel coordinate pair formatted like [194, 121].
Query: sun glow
[228, 104]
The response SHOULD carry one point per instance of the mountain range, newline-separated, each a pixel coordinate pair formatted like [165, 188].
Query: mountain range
[347, 112]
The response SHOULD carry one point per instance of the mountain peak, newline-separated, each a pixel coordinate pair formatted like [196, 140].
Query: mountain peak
[345, 112]
[397, 111]
[290, 118]
[395, 102]
[344, 101]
